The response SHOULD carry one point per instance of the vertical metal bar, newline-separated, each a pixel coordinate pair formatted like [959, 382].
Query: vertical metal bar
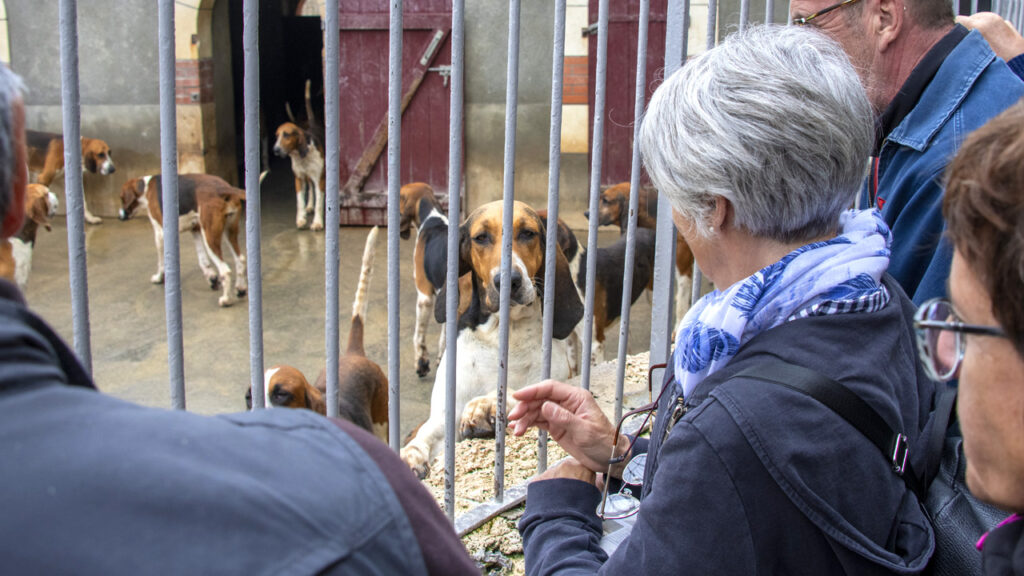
[974, 6]
[169, 182]
[769, 11]
[452, 280]
[73, 189]
[394, 183]
[665, 245]
[332, 150]
[744, 13]
[251, 98]
[554, 167]
[712, 37]
[634, 202]
[600, 82]
[508, 196]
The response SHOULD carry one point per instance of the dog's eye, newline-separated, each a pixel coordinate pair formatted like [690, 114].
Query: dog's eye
[604, 200]
[527, 235]
[102, 155]
[280, 396]
[482, 239]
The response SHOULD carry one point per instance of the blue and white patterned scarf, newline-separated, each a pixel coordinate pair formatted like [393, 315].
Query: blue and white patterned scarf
[840, 275]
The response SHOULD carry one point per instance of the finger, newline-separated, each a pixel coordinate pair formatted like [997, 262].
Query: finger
[559, 419]
[552, 390]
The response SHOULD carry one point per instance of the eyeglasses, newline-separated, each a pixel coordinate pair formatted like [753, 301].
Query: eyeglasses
[624, 503]
[940, 343]
[807, 19]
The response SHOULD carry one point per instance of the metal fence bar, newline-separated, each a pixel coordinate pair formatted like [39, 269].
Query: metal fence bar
[332, 152]
[554, 167]
[505, 290]
[452, 280]
[634, 202]
[73, 189]
[600, 83]
[169, 183]
[769, 11]
[394, 183]
[253, 222]
[665, 244]
[744, 13]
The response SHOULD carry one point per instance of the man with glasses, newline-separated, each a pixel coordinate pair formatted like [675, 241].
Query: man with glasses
[978, 336]
[931, 82]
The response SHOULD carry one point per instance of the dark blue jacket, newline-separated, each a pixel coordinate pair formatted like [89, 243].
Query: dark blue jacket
[760, 479]
[96, 485]
[970, 87]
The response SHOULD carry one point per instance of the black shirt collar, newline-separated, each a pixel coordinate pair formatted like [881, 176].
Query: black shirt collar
[916, 84]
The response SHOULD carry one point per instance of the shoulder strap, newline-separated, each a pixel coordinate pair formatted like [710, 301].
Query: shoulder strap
[842, 401]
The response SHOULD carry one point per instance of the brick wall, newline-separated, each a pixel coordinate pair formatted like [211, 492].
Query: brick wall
[193, 81]
[574, 86]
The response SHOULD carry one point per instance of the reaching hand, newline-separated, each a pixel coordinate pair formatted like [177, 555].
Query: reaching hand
[568, 468]
[573, 419]
[1006, 42]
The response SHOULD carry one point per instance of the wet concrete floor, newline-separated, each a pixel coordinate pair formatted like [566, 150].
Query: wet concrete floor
[126, 311]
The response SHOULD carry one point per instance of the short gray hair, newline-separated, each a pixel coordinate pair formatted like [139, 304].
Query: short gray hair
[11, 90]
[775, 121]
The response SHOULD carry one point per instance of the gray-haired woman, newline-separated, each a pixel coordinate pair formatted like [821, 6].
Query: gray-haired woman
[761, 145]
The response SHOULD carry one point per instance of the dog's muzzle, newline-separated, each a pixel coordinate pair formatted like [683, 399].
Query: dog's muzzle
[278, 151]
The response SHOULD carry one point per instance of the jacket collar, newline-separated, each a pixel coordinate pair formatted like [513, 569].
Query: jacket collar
[947, 90]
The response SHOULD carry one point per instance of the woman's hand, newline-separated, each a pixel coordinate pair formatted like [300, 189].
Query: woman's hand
[573, 419]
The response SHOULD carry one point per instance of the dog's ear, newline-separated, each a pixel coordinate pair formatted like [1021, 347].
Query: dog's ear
[465, 249]
[304, 144]
[90, 162]
[39, 212]
[568, 307]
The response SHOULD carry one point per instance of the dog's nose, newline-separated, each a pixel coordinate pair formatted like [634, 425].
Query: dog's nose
[586, 214]
[278, 151]
[122, 215]
[517, 282]
[112, 169]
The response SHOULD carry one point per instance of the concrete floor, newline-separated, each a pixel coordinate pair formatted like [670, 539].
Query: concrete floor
[126, 311]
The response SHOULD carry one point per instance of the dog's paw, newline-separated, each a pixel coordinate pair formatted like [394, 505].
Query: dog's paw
[478, 418]
[214, 282]
[225, 301]
[93, 219]
[422, 367]
[300, 223]
[317, 226]
[157, 278]
[241, 292]
[416, 461]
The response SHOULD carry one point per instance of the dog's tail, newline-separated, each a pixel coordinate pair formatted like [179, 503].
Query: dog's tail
[359, 304]
[311, 118]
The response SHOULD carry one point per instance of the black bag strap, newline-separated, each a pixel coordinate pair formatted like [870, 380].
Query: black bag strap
[893, 445]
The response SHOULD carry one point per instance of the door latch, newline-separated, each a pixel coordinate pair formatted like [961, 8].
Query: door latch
[444, 71]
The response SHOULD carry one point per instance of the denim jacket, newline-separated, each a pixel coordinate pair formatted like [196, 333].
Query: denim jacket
[970, 87]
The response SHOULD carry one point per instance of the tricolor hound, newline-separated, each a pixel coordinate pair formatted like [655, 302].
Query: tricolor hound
[16, 252]
[613, 209]
[46, 157]
[209, 208]
[610, 271]
[308, 167]
[419, 208]
[362, 385]
[480, 241]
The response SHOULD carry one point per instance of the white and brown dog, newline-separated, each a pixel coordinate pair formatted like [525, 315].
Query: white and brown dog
[16, 252]
[419, 209]
[478, 359]
[362, 385]
[307, 157]
[613, 210]
[46, 158]
[209, 208]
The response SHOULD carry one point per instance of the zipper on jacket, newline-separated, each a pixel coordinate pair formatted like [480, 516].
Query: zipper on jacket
[678, 411]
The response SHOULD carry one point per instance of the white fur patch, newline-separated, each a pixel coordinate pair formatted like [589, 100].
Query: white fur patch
[267, 376]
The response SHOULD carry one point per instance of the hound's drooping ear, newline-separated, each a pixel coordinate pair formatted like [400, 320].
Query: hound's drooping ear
[441, 298]
[568, 307]
[304, 144]
[39, 212]
[90, 162]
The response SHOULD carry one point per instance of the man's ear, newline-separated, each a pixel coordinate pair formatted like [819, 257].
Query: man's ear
[887, 22]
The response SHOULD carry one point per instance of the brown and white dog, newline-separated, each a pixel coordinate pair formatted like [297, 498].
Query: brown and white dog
[16, 252]
[307, 157]
[209, 208]
[46, 158]
[362, 385]
[420, 209]
[613, 210]
[478, 359]
[610, 272]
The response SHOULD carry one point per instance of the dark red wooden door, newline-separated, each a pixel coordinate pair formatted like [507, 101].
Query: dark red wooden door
[620, 95]
[363, 97]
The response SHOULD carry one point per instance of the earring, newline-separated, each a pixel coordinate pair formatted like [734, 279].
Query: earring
[711, 230]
